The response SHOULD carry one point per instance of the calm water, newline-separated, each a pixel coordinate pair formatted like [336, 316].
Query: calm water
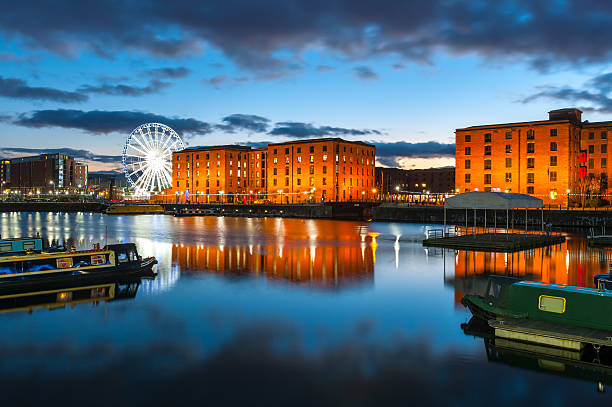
[281, 311]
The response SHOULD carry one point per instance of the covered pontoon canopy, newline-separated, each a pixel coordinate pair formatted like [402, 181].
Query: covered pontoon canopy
[492, 200]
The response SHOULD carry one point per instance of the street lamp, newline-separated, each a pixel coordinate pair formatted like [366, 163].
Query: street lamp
[568, 194]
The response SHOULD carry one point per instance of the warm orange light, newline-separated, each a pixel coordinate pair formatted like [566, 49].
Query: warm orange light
[374, 191]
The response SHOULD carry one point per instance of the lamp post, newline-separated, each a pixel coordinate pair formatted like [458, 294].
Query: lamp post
[568, 194]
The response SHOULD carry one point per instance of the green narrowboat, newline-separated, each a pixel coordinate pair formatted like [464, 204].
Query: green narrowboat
[551, 303]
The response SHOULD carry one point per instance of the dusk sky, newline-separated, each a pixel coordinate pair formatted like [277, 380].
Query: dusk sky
[403, 75]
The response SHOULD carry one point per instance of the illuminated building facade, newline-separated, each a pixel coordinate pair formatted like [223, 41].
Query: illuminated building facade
[540, 158]
[80, 175]
[5, 172]
[433, 180]
[42, 172]
[314, 170]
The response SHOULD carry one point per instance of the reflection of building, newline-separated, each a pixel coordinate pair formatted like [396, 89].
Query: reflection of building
[569, 263]
[543, 158]
[45, 171]
[434, 180]
[323, 266]
[314, 170]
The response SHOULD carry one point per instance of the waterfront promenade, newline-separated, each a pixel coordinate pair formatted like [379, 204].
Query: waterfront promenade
[375, 211]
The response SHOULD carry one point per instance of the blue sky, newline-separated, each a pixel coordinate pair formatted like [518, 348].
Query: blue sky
[400, 74]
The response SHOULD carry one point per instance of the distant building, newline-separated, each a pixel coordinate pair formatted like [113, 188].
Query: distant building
[547, 158]
[53, 171]
[80, 175]
[5, 172]
[432, 180]
[314, 170]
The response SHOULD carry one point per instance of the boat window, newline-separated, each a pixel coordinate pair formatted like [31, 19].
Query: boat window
[494, 289]
[64, 262]
[6, 247]
[98, 259]
[28, 245]
[552, 304]
[122, 256]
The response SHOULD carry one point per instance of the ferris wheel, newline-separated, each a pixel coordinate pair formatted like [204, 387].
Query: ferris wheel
[147, 157]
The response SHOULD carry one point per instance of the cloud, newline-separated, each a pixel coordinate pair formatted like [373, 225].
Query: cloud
[215, 80]
[365, 73]
[168, 73]
[325, 68]
[18, 89]
[248, 122]
[305, 130]
[104, 121]
[594, 92]
[154, 86]
[268, 35]
[388, 153]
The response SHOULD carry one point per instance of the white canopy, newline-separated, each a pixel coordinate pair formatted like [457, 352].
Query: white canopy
[492, 200]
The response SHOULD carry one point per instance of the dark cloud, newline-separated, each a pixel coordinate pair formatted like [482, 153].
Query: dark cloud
[154, 86]
[18, 89]
[267, 35]
[84, 155]
[389, 153]
[103, 121]
[305, 130]
[247, 122]
[595, 93]
[365, 73]
[168, 73]
[215, 80]
[325, 68]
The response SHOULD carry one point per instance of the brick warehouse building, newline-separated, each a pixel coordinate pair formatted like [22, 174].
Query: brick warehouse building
[561, 159]
[316, 170]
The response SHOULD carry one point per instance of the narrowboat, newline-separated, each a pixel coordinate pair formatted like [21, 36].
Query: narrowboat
[509, 298]
[21, 246]
[16, 266]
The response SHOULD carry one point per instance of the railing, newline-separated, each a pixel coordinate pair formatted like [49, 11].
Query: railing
[455, 231]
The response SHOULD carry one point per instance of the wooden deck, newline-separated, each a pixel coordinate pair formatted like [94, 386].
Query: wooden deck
[545, 333]
[495, 242]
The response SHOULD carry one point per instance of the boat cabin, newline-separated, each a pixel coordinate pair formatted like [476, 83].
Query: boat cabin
[21, 246]
[125, 253]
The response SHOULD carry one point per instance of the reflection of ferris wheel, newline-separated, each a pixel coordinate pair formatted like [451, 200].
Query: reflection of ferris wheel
[147, 157]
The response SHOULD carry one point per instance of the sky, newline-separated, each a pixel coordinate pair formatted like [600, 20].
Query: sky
[78, 77]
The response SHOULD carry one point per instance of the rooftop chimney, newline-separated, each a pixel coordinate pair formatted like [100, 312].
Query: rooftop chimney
[572, 114]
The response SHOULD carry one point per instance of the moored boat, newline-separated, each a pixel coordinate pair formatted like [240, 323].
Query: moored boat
[114, 258]
[550, 303]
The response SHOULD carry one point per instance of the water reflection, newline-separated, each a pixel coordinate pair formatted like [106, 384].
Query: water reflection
[589, 364]
[569, 263]
[319, 266]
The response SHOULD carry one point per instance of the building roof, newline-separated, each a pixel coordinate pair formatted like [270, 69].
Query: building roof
[492, 200]
[321, 140]
[516, 124]
[223, 147]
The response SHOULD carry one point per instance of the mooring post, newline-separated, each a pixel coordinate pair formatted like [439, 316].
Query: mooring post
[474, 220]
[466, 229]
[525, 220]
[444, 230]
[542, 212]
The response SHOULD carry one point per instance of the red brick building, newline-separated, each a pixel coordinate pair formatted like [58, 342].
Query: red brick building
[46, 172]
[315, 170]
[540, 158]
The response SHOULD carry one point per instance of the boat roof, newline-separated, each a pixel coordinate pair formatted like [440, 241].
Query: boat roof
[560, 287]
[17, 239]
